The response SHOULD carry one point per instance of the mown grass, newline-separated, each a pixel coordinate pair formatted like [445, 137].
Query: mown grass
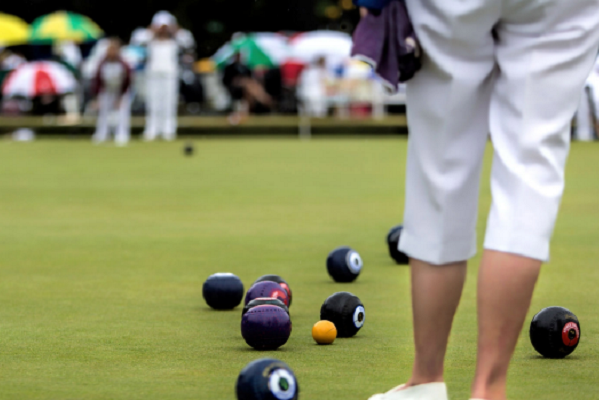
[103, 252]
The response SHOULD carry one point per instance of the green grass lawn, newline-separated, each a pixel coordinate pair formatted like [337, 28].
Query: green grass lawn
[103, 252]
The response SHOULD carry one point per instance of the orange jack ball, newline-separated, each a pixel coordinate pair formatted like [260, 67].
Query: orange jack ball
[324, 332]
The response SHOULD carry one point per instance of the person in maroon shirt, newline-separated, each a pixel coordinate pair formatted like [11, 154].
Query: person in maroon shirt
[111, 88]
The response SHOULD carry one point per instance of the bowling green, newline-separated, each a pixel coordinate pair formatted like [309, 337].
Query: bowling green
[103, 252]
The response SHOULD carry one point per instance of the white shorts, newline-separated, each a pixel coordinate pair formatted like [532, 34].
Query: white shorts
[514, 68]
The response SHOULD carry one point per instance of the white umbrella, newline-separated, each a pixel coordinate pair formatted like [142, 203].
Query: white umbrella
[39, 78]
[334, 46]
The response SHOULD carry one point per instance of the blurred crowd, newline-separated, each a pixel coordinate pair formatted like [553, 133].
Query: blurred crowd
[162, 52]
[157, 74]
[253, 73]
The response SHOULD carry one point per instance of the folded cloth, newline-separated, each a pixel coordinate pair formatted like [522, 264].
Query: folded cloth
[386, 40]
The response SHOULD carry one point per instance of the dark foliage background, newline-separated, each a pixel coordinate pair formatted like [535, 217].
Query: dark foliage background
[212, 21]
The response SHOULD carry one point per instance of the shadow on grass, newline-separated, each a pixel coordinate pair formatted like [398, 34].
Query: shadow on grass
[348, 284]
[212, 310]
[358, 337]
[248, 349]
[539, 357]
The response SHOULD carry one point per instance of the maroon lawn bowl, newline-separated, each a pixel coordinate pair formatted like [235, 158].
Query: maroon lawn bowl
[267, 289]
[266, 327]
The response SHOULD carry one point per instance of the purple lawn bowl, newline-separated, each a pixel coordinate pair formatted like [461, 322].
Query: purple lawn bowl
[266, 327]
[267, 289]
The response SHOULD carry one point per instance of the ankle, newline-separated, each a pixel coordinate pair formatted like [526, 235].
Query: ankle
[426, 372]
[416, 380]
[490, 383]
[489, 392]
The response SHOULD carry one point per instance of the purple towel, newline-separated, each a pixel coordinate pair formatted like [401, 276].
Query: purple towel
[387, 42]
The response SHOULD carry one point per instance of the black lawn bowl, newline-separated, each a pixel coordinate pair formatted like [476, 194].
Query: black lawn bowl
[267, 379]
[188, 149]
[344, 264]
[346, 311]
[223, 291]
[393, 242]
[555, 332]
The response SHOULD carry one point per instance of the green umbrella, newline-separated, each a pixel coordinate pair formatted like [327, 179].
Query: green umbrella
[64, 25]
[253, 54]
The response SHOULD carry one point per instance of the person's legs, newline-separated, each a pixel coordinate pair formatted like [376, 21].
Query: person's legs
[436, 293]
[153, 114]
[123, 131]
[447, 110]
[448, 104]
[103, 122]
[505, 285]
[545, 51]
[170, 103]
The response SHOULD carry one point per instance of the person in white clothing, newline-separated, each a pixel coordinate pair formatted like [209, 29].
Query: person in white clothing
[587, 117]
[162, 80]
[111, 86]
[312, 88]
[513, 69]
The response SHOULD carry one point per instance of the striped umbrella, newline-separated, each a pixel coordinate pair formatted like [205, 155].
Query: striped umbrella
[13, 30]
[64, 25]
[257, 50]
[39, 78]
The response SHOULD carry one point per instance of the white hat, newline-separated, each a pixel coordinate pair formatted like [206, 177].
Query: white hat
[162, 18]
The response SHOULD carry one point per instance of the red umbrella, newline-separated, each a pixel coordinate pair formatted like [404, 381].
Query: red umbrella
[39, 78]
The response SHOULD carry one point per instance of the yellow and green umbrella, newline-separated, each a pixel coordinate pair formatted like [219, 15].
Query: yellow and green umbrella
[13, 30]
[64, 25]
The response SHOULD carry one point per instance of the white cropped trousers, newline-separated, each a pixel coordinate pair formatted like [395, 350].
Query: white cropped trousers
[114, 110]
[162, 100]
[511, 68]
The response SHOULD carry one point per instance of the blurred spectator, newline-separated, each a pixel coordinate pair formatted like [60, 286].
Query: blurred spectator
[162, 79]
[273, 84]
[191, 89]
[312, 88]
[233, 76]
[111, 88]
[10, 60]
[68, 53]
[259, 99]
[141, 36]
[246, 89]
[47, 104]
[185, 39]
